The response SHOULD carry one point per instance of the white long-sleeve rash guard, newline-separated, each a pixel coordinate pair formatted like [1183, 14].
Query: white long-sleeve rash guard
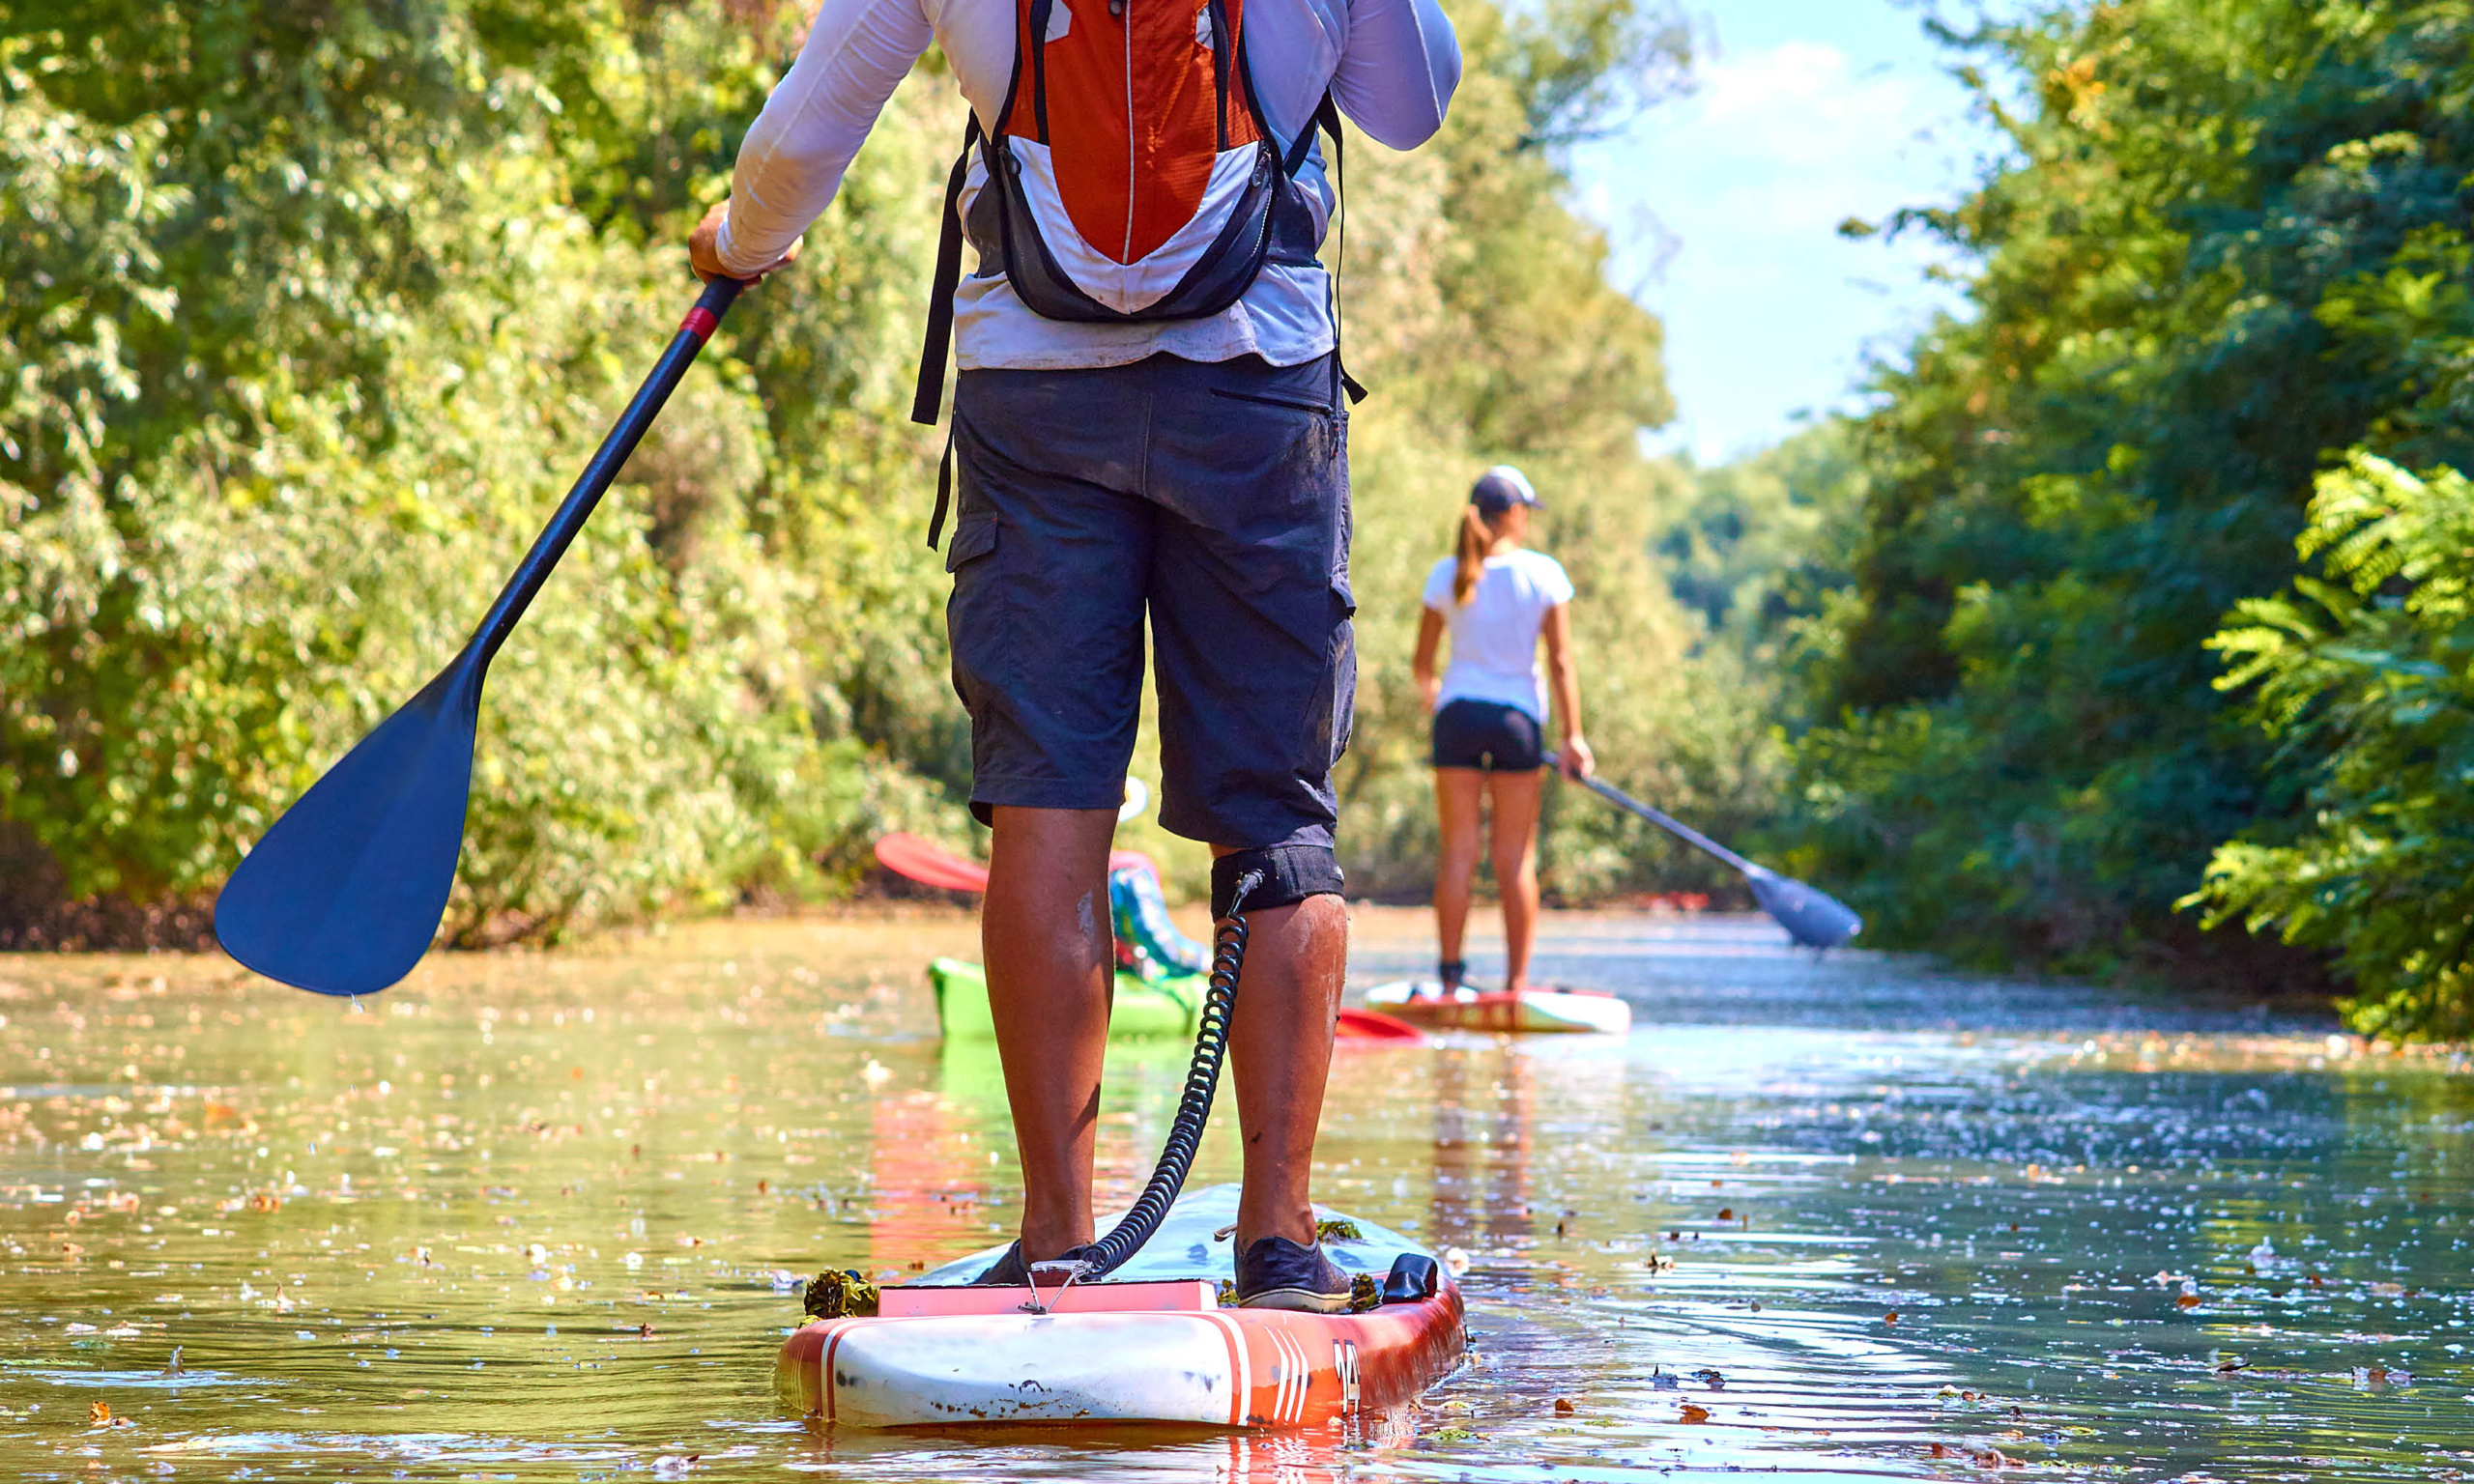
[1390, 64]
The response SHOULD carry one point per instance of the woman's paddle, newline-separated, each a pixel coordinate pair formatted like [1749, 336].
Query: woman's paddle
[1812, 918]
[345, 891]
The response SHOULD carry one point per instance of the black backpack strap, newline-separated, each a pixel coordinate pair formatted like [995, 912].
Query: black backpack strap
[930, 398]
[1326, 114]
[944, 492]
[1327, 117]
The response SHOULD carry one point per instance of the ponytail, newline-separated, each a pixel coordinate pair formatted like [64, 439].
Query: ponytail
[1470, 559]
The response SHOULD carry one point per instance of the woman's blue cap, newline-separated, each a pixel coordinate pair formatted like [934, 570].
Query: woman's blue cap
[1501, 488]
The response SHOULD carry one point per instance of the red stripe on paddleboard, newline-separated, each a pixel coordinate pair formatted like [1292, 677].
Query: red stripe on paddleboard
[824, 1364]
[700, 323]
[1238, 1378]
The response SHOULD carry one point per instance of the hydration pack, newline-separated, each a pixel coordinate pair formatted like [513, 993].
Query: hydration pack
[1130, 176]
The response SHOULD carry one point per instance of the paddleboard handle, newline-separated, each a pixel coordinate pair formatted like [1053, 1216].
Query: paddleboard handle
[1194, 1105]
[1072, 1266]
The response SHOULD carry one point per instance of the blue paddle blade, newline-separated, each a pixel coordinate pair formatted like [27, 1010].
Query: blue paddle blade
[1812, 918]
[345, 892]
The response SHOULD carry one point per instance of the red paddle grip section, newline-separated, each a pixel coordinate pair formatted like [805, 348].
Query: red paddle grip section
[700, 323]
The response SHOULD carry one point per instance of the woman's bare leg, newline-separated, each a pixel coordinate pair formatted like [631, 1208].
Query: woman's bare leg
[1514, 849]
[1455, 867]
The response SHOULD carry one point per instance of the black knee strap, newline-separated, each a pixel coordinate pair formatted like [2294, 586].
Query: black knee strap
[1287, 874]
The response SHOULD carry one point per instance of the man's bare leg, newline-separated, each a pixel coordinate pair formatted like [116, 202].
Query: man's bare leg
[1281, 1041]
[1052, 965]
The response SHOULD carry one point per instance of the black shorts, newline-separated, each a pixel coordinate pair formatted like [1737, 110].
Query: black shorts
[1212, 498]
[1487, 734]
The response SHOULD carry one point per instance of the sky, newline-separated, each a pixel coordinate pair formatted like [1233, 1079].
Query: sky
[1722, 209]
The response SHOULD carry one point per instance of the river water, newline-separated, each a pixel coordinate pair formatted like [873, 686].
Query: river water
[542, 1217]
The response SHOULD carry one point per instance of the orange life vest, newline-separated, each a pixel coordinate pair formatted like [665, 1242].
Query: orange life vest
[1130, 176]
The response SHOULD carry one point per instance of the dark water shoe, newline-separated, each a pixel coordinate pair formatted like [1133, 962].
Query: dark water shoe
[1278, 1274]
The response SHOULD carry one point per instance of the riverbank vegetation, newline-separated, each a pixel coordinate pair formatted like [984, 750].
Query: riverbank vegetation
[315, 309]
[2124, 633]
[2086, 698]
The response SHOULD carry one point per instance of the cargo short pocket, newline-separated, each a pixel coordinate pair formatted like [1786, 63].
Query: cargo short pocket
[974, 538]
[1339, 660]
[1331, 710]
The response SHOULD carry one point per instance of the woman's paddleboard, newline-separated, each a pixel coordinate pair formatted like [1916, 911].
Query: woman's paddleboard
[1150, 1343]
[1425, 1004]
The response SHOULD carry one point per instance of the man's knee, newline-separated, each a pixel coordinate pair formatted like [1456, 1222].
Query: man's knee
[1273, 877]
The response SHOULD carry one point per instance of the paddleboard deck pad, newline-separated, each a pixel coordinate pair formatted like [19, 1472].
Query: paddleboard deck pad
[1151, 1343]
[1424, 1004]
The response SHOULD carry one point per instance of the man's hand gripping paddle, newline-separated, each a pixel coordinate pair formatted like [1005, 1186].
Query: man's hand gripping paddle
[1813, 917]
[345, 892]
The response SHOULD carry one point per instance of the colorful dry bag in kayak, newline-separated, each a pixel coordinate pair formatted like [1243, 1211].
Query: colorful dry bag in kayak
[1130, 176]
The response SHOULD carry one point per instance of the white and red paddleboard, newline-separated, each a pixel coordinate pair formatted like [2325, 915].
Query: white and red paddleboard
[1425, 1005]
[1150, 1343]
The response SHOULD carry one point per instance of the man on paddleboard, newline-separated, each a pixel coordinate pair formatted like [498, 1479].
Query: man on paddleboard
[1149, 422]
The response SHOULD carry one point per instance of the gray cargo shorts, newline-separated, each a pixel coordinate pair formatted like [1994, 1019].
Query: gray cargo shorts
[1210, 496]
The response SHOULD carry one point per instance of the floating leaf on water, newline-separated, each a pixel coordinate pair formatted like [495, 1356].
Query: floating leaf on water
[1564, 1406]
[1694, 1413]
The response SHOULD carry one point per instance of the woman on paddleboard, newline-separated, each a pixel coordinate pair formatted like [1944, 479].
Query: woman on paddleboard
[1498, 599]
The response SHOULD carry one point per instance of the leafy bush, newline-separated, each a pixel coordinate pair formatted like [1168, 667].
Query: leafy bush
[2365, 684]
[2223, 241]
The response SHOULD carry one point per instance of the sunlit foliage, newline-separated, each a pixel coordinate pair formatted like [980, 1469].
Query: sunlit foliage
[2366, 683]
[2227, 244]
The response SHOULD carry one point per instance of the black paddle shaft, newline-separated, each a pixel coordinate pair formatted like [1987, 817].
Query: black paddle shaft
[1812, 917]
[344, 892]
[607, 461]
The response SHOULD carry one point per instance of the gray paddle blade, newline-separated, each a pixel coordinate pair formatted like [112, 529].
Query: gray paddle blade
[1812, 918]
[345, 892]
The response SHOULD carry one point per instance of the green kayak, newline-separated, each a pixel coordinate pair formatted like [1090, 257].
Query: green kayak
[1169, 1006]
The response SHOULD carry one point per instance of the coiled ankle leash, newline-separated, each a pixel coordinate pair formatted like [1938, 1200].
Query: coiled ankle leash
[1193, 1104]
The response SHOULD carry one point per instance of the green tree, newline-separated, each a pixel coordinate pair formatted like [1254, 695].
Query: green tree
[2365, 684]
[2212, 259]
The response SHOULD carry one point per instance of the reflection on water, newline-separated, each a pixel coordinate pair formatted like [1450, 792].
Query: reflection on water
[542, 1217]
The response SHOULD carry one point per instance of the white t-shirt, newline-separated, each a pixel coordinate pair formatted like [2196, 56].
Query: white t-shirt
[1494, 635]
